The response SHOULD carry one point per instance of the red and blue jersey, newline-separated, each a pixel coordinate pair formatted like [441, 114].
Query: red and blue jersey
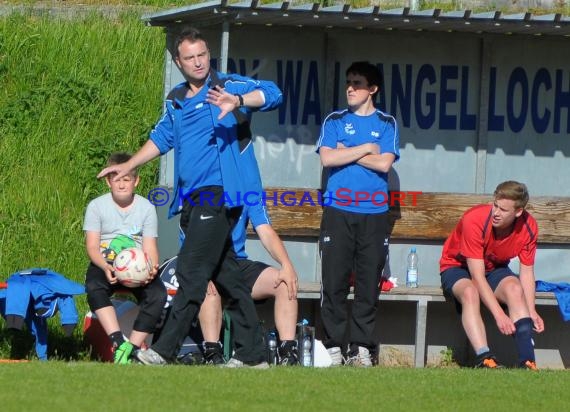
[474, 238]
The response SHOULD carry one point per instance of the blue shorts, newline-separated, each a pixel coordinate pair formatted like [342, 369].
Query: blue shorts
[450, 276]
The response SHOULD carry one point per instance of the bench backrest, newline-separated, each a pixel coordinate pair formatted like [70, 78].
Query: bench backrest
[427, 215]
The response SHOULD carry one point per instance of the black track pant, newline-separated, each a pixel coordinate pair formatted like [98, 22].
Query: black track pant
[351, 242]
[207, 250]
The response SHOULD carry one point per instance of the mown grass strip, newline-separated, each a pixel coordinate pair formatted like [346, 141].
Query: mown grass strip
[102, 387]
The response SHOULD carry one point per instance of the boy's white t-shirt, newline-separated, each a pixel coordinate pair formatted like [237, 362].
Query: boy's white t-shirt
[119, 229]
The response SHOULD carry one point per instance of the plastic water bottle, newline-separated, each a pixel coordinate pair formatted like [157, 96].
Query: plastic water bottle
[272, 348]
[305, 341]
[307, 346]
[412, 269]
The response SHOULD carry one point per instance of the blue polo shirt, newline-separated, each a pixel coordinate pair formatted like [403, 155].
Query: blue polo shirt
[348, 184]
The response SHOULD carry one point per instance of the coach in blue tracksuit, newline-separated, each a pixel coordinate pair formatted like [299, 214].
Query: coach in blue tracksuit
[359, 146]
[202, 125]
[263, 281]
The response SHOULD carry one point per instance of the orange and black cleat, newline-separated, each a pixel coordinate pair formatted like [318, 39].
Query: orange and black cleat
[530, 365]
[488, 362]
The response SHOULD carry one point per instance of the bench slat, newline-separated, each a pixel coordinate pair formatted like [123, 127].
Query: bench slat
[433, 216]
[313, 290]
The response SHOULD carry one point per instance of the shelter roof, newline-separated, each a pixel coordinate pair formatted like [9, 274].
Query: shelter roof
[369, 18]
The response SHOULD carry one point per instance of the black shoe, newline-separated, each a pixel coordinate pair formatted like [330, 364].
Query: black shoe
[191, 359]
[488, 361]
[288, 353]
[374, 356]
[213, 353]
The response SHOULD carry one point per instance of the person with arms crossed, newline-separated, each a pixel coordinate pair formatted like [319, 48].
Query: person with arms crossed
[115, 221]
[474, 268]
[200, 124]
[359, 145]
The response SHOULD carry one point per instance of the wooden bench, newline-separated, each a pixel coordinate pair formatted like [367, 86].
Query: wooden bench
[421, 296]
[418, 216]
[432, 217]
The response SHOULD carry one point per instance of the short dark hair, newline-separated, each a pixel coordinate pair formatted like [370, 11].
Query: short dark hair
[367, 70]
[191, 34]
[514, 191]
[120, 157]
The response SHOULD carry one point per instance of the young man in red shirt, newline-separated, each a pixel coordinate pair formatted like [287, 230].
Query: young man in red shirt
[474, 268]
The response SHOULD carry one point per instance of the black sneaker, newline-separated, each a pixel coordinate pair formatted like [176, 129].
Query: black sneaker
[488, 361]
[288, 353]
[191, 359]
[213, 353]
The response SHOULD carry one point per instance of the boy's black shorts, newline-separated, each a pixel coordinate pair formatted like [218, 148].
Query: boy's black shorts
[151, 298]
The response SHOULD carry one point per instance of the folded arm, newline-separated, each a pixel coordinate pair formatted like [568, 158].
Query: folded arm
[341, 155]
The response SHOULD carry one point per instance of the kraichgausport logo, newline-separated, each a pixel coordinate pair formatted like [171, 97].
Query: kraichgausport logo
[341, 197]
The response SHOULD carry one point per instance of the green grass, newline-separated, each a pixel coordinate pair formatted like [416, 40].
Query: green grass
[70, 93]
[149, 3]
[557, 6]
[104, 387]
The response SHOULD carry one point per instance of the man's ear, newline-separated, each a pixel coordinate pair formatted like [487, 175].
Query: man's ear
[108, 179]
[373, 90]
[519, 212]
[137, 180]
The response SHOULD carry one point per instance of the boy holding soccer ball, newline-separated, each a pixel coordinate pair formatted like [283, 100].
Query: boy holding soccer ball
[115, 221]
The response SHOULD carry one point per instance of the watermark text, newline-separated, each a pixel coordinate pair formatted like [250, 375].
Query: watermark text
[290, 198]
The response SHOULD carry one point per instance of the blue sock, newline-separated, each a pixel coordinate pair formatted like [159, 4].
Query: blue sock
[482, 350]
[523, 339]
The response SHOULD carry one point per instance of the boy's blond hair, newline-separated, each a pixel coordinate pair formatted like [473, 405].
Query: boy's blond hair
[513, 191]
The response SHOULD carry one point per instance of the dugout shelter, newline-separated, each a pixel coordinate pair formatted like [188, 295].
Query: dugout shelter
[479, 98]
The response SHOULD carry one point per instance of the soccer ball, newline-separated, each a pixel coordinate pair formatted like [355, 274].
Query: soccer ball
[132, 267]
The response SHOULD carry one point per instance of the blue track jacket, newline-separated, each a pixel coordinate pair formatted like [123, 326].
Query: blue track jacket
[165, 134]
[562, 292]
[37, 294]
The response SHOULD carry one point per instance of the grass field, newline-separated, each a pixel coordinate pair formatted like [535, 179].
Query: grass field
[90, 386]
[62, 110]
[71, 92]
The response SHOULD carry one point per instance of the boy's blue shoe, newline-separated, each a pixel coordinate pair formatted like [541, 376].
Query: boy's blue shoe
[122, 355]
